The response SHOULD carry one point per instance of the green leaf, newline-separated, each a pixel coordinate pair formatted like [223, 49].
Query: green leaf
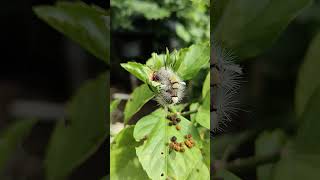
[182, 32]
[297, 166]
[307, 83]
[268, 143]
[203, 115]
[150, 10]
[86, 25]
[124, 163]
[196, 57]
[72, 143]
[114, 104]
[226, 175]
[206, 151]
[105, 177]
[154, 154]
[217, 9]
[308, 133]
[146, 124]
[11, 138]
[249, 26]
[141, 71]
[301, 157]
[206, 86]
[201, 172]
[138, 98]
[193, 107]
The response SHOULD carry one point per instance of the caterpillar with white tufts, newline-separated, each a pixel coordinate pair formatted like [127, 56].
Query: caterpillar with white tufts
[169, 86]
[225, 83]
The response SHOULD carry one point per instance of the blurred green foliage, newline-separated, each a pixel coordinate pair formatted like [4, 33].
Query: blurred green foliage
[287, 149]
[189, 17]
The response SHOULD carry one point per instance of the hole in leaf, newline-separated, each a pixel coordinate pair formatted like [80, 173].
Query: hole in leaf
[161, 174]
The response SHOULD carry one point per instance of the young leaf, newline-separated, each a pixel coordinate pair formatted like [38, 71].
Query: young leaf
[86, 25]
[307, 83]
[114, 104]
[124, 162]
[197, 56]
[10, 138]
[72, 143]
[138, 98]
[250, 26]
[141, 71]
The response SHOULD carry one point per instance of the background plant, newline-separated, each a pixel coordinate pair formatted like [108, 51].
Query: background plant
[144, 145]
[272, 141]
[79, 134]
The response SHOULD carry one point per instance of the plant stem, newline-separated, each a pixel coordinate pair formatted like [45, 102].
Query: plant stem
[186, 113]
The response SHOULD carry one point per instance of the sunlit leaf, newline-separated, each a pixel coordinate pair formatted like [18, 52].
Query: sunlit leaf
[124, 162]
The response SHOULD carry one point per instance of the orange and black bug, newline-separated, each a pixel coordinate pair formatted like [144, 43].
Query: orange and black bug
[188, 143]
[178, 127]
[173, 139]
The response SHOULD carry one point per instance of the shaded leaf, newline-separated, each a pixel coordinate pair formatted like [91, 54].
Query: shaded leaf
[72, 143]
[11, 138]
[226, 175]
[249, 26]
[138, 98]
[86, 25]
[307, 83]
[268, 143]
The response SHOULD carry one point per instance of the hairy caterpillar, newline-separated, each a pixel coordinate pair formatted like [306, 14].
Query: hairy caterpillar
[225, 83]
[170, 87]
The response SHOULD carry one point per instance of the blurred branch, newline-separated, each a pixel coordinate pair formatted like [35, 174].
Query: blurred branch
[241, 165]
[121, 96]
[234, 146]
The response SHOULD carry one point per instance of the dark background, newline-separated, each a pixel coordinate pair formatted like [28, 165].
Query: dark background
[39, 71]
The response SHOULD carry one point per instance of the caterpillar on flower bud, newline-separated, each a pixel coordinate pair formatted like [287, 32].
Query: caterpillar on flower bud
[170, 87]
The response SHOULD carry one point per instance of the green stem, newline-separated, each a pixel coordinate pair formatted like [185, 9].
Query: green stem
[241, 165]
[186, 113]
